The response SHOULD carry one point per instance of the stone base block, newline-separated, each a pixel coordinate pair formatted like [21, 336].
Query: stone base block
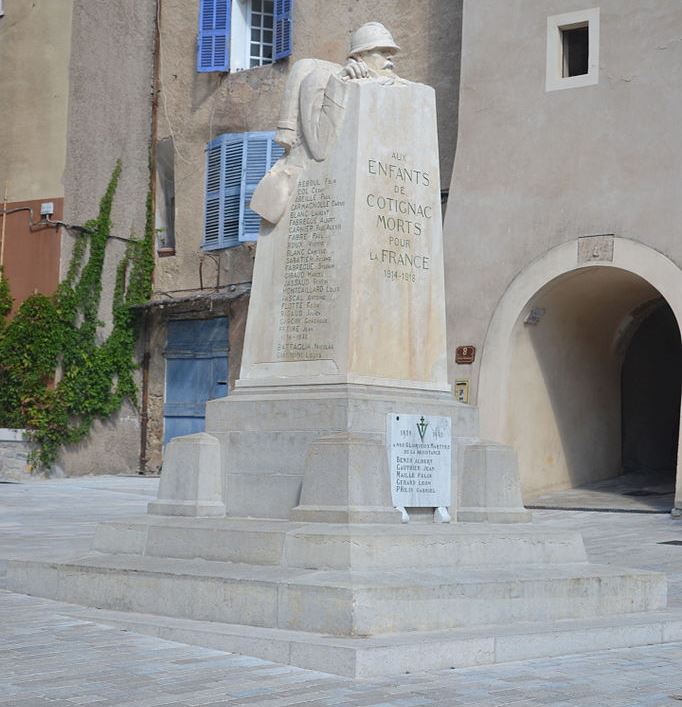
[191, 481]
[194, 509]
[268, 435]
[338, 546]
[343, 602]
[347, 480]
[490, 485]
[409, 653]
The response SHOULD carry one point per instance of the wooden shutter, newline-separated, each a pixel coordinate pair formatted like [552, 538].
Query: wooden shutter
[260, 153]
[235, 163]
[283, 22]
[213, 45]
[224, 161]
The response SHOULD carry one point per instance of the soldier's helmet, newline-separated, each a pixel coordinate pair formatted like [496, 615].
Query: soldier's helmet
[372, 35]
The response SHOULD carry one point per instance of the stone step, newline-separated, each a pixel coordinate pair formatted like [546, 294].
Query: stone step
[329, 546]
[349, 603]
[412, 652]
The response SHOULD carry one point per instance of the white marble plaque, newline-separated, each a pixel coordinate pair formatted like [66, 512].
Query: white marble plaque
[420, 459]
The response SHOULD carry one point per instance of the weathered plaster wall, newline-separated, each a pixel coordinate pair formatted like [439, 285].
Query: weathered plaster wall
[35, 44]
[110, 118]
[536, 169]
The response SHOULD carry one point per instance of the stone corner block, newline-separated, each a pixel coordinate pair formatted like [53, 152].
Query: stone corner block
[490, 486]
[191, 480]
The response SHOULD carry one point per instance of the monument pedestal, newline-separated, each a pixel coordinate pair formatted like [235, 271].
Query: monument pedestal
[312, 564]
[358, 600]
[319, 452]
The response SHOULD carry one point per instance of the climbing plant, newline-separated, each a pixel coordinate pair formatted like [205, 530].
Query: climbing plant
[6, 300]
[58, 373]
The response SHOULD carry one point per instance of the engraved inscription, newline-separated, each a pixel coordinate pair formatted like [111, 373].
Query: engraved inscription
[310, 281]
[401, 209]
[420, 458]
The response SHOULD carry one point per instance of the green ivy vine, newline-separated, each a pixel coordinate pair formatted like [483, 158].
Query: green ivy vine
[6, 300]
[58, 338]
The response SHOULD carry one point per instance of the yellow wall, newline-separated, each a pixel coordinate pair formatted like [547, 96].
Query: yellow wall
[35, 40]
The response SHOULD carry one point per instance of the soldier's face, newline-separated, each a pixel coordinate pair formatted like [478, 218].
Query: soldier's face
[379, 59]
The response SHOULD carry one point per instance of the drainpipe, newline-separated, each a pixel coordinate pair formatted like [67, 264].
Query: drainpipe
[144, 411]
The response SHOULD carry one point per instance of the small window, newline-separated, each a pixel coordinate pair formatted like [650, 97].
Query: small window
[235, 163]
[243, 34]
[576, 47]
[165, 197]
[572, 50]
[262, 31]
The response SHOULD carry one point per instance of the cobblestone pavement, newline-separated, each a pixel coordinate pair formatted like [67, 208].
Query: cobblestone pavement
[53, 655]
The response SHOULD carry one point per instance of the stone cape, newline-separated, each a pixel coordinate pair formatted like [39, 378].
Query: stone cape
[348, 286]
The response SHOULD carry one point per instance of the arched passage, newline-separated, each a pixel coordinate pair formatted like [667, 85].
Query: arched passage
[550, 380]
[650, 395]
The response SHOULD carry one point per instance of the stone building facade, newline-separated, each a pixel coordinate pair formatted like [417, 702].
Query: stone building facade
[122, 80]
[562, 235]
[562, 250]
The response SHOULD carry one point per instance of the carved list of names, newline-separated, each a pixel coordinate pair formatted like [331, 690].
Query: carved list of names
[306, 326]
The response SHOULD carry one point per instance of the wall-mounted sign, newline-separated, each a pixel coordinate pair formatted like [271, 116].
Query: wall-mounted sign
[462, 390]
[420, 457]
[465, 354]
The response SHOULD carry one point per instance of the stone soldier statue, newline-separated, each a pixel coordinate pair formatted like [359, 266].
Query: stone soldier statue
[312, 112]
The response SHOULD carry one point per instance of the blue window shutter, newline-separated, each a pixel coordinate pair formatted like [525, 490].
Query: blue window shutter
[235, 156]
[224, 161]
[283, 21]
[212, 225]
[235, 163]
[213, 45]
[261, 152]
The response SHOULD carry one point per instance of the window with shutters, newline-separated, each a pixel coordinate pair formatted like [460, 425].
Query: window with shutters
[235, 163]
[243, 34]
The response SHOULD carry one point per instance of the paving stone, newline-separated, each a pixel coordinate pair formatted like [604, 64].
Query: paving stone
[58, 654]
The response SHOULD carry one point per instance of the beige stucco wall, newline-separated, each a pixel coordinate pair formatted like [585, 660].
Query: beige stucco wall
[35, 45]
[110, 117]
[536, 170]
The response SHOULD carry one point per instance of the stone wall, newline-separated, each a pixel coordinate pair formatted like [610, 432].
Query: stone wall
[14, 451]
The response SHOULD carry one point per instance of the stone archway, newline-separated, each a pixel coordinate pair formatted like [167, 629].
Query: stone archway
[651, 376]
[550, 370]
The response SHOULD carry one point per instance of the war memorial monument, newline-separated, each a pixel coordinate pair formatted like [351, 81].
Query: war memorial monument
[341, 512]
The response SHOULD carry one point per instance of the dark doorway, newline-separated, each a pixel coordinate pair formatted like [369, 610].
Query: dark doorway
[651, 378]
